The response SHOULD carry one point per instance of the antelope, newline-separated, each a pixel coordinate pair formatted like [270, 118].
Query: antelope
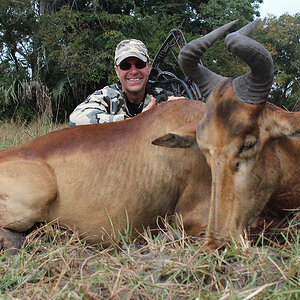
[252, 147]
[103, 178]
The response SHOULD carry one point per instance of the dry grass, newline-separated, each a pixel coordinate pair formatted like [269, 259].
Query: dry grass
[13, 134]
[56, 264]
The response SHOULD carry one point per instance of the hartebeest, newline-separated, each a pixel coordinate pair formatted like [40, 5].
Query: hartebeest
[251, 146]
[101, 178]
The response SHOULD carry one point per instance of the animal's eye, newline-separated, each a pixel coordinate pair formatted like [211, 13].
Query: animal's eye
[245, 148]
[248, 144]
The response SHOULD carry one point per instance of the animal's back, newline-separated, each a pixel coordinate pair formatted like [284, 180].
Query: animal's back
[106, 173]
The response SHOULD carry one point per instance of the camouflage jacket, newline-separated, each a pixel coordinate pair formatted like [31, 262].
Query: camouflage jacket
[110, 104]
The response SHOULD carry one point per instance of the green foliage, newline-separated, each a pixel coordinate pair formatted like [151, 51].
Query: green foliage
[67, 46]
[215, 13]
[18, 26]
[281, 37]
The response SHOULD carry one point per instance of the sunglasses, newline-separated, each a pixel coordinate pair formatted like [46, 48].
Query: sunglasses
[125, 66]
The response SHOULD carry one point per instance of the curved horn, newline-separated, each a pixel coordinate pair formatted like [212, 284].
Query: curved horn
[254, 86]
[190, 54]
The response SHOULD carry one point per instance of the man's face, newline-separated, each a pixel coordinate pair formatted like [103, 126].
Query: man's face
[133, 74]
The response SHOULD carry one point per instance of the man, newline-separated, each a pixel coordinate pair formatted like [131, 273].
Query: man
[133, 96]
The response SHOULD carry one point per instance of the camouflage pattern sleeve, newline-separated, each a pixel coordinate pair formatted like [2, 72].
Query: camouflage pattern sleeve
[109, 105]
[103, 106]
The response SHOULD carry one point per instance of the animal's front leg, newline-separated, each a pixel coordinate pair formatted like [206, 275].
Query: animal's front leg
[26, 190]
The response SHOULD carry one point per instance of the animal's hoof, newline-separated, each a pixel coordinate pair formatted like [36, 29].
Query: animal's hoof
[10, 240]
[210, 246]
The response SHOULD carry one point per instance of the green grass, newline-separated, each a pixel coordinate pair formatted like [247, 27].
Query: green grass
[56, 264]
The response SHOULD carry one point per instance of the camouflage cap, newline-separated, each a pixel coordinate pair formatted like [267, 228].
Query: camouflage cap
[131, 48]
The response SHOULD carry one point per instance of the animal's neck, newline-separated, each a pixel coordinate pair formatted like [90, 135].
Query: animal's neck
[287, 193]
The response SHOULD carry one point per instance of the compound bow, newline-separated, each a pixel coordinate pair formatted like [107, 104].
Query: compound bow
[180, 87]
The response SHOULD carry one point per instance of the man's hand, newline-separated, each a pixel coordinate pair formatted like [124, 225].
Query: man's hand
[150, 105]
[152, 102]
[176, 98]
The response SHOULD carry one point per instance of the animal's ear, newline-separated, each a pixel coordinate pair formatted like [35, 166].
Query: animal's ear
[184, 137]
[280, 123]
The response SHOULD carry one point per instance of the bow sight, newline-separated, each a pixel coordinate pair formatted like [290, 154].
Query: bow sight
[180, 87]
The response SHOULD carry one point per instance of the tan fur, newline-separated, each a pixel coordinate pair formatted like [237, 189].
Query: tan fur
[94, 178]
